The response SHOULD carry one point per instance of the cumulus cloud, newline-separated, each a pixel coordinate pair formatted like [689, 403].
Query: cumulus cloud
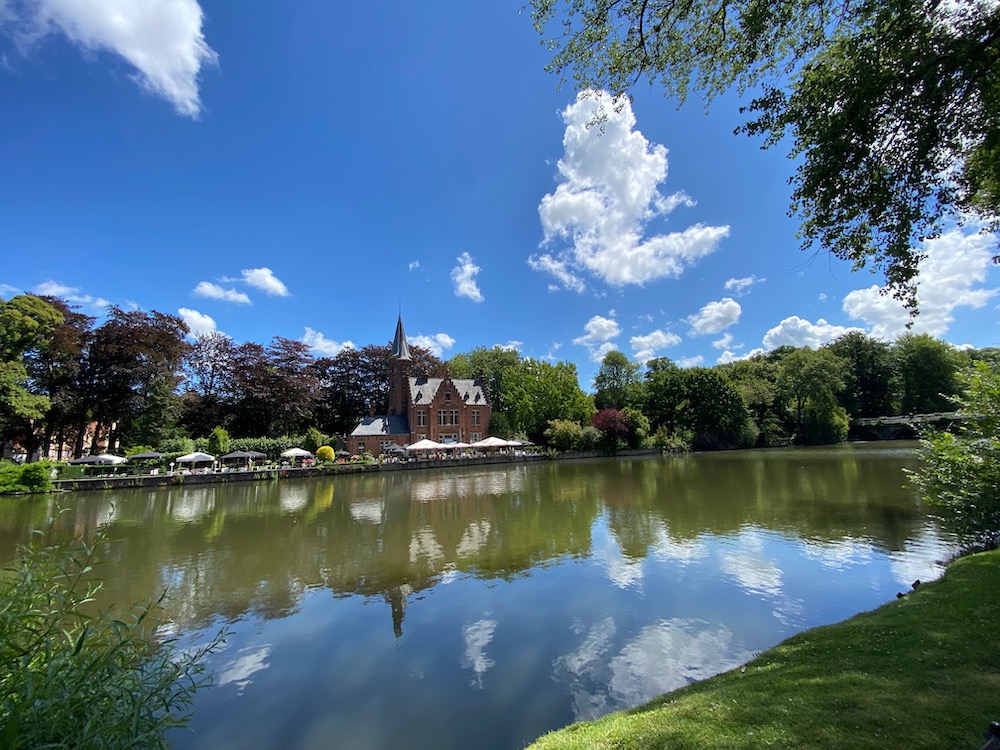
[954, 265]
[214, 291]
[199, 323]
[322, 345]
[608, 194]
[724, 342]
[513, 345]
[265, 280]
[414, 264]
[70, 294]
[690, 361]
[463, 276]
[560, 270]
[599, 332]
[715, 317]
[795, 331]
[162, 40]
[436, 344]
[742, 286]
[647, 346]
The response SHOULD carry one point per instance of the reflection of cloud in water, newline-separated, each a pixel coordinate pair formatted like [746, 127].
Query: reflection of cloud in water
[477, 637]
[368, 511]
[684, 551]
[191, 504]
[248, 662]
[623, 571]
[839, 554]
[474, 537]
[921, 557]
[447, 485]
[661, 657]
[425, 546]
[751, 568]
[293, 496]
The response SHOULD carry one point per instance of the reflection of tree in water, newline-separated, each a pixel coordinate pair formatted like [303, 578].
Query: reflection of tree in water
[256, 548]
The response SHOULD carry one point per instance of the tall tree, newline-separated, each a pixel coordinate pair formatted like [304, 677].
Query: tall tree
[811, 381]
[892, 108]
[489, 364]
[871, 383]
[616, 383]
[928, 369]
[537, 392]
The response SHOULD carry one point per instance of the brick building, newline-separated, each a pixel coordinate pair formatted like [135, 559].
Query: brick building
[440, 409]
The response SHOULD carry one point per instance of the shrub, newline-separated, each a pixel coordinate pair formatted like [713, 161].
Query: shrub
[218, 441]
[314, 440]
[180, 446]
[37, 477]
[325, 454]
[563, 434]
[69, 678]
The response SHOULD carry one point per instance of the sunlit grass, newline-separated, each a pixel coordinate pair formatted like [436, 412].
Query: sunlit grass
[920, 672]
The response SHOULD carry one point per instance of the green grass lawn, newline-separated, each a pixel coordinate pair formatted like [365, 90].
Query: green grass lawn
[919, 672]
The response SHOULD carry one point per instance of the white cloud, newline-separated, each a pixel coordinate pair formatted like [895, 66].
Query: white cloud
[742, 286]
[436, 344]
[322, 345]
[265, 280]
[414, 264]
[715, 316]
[647, 346]
[558, 268]
[162, 39]
[599, 332]
[607, 196]
[795, 331]
[214, 291]
[7, 289]
[822, 296]
[690, 361]
[723, 343]
[70, 294]
[954, 264]
[199, 323]
[514, 345]
[463, 276]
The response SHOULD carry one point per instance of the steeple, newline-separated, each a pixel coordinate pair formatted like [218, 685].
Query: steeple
[400, 349]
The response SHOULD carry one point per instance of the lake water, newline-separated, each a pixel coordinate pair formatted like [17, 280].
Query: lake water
[482, 607]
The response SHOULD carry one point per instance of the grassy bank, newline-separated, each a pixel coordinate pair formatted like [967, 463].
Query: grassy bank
[920, 672]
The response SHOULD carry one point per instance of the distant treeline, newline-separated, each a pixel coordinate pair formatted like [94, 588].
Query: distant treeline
[139, 379]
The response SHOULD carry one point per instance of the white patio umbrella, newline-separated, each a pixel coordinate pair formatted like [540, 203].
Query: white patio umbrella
[425, 445]
[195, 458]
[494, 442]
[457, 446]
[296, 453]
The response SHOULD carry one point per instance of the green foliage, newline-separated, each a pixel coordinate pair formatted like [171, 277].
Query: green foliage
[537, 392]
[180, 446]
[928, 369]
[16, 479]
[313, 440]
[962, 472]
[666, 440]
[500, 425]
[218, 442]
[563, 434]
[72, 678]
[811, 381]
[892, 109]
[325, 454]
[638, 427]
[616, 383]
[871, 381]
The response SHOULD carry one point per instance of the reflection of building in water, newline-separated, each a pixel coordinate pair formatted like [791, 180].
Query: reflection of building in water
[464, 485]
[396, 597]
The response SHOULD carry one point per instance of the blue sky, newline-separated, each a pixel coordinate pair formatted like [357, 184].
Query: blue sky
[307, 169]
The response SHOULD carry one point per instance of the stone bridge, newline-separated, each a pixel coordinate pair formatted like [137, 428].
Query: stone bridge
[905, 427]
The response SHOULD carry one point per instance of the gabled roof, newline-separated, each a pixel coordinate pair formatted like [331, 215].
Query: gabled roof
[391, 424]
[400, 349]
[423, 390]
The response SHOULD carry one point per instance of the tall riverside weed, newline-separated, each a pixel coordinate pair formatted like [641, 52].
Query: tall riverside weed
[72, 678]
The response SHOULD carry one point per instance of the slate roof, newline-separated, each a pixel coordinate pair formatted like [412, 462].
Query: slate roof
[400, 348]
[392, 424]
[423, 390]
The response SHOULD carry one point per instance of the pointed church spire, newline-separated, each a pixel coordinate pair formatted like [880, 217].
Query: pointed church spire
[400, 349]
